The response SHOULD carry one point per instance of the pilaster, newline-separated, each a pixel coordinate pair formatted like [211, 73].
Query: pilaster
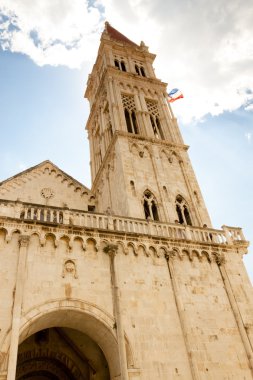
[17, 306]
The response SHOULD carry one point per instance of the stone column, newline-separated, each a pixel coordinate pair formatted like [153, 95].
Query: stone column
[183, 322]
[220, 260]
[17, 305]
[111, 249]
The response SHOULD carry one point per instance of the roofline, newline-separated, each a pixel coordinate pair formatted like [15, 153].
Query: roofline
[38, 165]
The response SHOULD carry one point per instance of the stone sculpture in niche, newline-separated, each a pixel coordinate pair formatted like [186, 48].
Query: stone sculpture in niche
[69, 268]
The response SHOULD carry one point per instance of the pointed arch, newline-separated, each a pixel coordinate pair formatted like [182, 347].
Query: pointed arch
[182, 210]
[150, 206]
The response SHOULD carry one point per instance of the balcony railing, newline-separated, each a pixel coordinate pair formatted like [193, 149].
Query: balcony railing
[52, 215]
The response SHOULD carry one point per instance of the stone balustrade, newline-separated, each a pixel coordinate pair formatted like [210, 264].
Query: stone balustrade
[53, 215]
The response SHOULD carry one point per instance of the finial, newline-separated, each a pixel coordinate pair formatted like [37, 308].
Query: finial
[143, 46]
[106, 26]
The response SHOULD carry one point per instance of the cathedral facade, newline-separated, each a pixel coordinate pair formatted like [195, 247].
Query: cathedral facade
[128, 280]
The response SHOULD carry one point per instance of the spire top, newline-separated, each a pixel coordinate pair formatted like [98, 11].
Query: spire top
[114, 34]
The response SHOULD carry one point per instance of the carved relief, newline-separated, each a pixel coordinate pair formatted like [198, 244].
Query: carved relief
[47, 193]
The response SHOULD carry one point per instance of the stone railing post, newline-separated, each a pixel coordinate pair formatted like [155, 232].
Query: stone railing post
[188, 233]
[227, 235]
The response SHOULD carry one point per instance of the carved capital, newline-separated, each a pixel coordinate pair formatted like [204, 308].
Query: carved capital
[169, 255]
[111, 249]
[24, 240]
[220, 258]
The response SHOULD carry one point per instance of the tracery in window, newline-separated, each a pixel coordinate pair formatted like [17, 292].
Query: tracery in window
[183, 211]
[150, 206]
[154, 119]
[130, 116]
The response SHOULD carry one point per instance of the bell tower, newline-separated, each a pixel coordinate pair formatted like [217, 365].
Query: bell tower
[139, 163]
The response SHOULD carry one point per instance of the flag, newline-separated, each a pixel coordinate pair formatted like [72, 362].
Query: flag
[174, 95]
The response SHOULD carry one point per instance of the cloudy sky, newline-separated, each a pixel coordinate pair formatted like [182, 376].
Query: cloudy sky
[205, 48]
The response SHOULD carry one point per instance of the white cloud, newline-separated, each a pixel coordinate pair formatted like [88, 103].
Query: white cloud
[204, 48]
[249, 107]
[51, 32]
[248, 136]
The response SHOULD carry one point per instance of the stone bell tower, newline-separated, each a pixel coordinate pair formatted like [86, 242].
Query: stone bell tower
[139, 162]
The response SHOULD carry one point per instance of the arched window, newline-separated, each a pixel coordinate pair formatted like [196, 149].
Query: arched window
[156, 127]
[150, 206]
[132, 187]
[120, 65]
[140, 70]
[116, 63]
[182, 211]
[123, 66]
[130, 116]
[137, 69]
[153, 111]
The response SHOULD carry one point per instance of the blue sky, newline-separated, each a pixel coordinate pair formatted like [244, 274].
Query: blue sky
[204, 49]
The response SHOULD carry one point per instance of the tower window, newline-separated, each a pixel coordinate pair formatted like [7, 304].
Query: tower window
[120, 65]
[140, 70]
[156, 127]
[183, 211]
[130, 116]
[132, 187]
[150, 206]
[131, 121]
[123, 66]
[154, 119]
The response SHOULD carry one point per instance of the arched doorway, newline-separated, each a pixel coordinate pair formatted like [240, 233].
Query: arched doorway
[60, 353]
[83, 317]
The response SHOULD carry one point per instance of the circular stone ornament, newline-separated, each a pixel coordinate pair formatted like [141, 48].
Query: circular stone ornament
[47, 193]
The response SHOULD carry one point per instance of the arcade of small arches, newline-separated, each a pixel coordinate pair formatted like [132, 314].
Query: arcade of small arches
[96, 244]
